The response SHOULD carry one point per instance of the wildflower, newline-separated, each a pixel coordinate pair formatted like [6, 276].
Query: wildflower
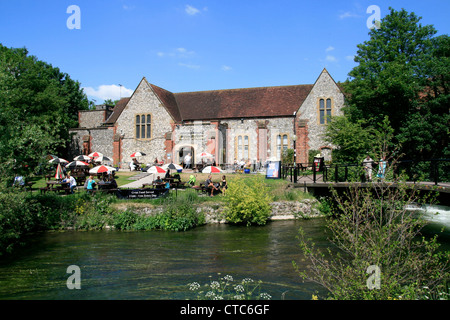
[265, 296]
[194, 286]
[228, 278]
[314, 297]
[239, 288]
[247, 281]
[215, 285]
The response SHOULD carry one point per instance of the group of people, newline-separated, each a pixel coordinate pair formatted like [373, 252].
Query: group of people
[89, 184]
[369, 164]
[222, 186]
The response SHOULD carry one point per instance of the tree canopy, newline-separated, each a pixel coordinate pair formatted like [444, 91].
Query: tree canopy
[403, 74]
[38, 104]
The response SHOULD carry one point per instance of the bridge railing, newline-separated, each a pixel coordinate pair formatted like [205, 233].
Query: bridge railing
[433, 170]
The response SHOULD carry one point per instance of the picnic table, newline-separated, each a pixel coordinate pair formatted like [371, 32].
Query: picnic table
[56, 186]
[154, 184]
[107, 186]
[174, 182]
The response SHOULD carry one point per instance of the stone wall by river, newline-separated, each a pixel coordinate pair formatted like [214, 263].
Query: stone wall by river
[281, 210]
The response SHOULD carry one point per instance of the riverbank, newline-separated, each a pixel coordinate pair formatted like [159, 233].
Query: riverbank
[214, 211]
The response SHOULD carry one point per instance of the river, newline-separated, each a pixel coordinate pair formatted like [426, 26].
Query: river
[160, 265]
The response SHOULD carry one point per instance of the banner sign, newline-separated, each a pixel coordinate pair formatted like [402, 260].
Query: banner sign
[141, 193]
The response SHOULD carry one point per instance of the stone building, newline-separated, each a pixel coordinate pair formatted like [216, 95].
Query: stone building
[250, 124]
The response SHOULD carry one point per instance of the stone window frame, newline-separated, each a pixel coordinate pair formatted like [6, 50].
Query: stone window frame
[325, 118]
[282, 145]
[145, 126]
[236, 147]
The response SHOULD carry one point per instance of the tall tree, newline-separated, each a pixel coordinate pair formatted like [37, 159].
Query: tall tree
[403, 73]
[38, 104]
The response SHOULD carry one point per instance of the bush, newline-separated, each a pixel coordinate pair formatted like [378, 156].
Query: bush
[247, 202]
[19, 215]
[376, 233]
[178, 215]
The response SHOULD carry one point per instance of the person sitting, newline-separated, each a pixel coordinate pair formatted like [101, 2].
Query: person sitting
[90, 184]
[210, 185]
[192, 180]
[167, 174]
[72, 182]
[158, 180]
[224, 186]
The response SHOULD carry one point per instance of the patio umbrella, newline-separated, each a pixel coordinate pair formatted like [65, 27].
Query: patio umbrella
[59, 172]
[51, 157]
[58, 160]
[102, 158]
[205, 155]
[137, 154]
[156, 169]
[212, 169]
[95, 154]
[172, 166]
[101, 169]
[77, 164]
[82, 158]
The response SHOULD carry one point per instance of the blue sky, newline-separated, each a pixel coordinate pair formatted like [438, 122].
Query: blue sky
[196, 45]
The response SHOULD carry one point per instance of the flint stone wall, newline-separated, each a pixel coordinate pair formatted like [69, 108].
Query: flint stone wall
[281, 210]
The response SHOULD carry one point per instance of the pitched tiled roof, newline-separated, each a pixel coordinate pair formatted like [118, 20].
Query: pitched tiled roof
[260, 102]
[169, 101]
[118, 108]
[242, 103]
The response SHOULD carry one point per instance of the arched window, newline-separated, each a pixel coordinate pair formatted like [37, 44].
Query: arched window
[325, 111]
[282, 144]
[242, 147]
[144, 126]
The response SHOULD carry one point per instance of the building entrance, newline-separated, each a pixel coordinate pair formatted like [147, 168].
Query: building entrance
[182, 153]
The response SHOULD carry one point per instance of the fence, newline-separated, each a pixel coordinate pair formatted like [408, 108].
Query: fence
[433, 170]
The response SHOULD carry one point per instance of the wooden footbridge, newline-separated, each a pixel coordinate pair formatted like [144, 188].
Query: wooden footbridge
[320, 180]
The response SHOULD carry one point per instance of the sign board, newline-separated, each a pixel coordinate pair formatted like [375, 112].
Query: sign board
[273, 170]
[141, 193]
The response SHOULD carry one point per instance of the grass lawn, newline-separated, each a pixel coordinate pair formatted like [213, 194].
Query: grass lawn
[278, 188]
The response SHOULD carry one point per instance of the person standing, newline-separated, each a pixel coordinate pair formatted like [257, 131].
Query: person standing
[187, 161]
[367, 164]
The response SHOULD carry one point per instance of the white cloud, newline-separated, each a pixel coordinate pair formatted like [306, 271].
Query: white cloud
[190, 66]
[330, 48]
[348, 14]
[226, 68]
[350, 58]
[128, 8]
[330, 58]
[111, 91]
[177, 53]
[190, 10]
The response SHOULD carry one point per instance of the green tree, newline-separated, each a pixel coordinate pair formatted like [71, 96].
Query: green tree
[354, 140]
[403, 73]
[38, 104]
[374, 228]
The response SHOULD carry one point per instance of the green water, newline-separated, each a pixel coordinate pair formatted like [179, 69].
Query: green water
[159, 265]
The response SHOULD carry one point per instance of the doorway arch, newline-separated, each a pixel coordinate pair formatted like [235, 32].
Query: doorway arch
[182, 151]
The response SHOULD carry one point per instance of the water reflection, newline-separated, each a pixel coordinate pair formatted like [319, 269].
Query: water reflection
[159, 265]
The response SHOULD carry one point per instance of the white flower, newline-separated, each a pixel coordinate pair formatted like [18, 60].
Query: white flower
[228, 278]
[194, 286]
[215, 285]
[265, 296]
[239, 288]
